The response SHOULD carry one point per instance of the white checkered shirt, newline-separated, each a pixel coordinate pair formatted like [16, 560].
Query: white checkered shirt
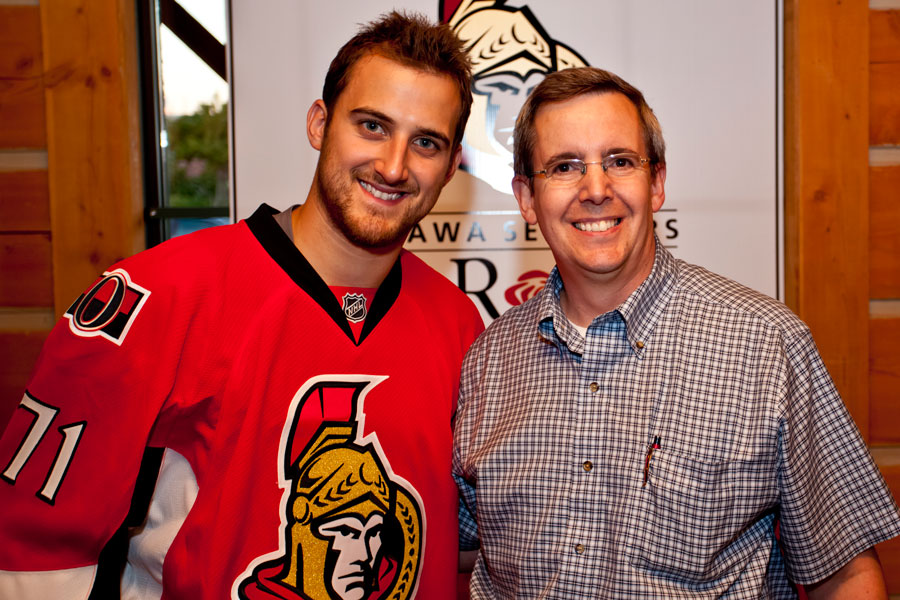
[553, 434]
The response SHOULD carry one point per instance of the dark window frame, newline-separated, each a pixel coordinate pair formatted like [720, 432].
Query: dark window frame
[151, 14]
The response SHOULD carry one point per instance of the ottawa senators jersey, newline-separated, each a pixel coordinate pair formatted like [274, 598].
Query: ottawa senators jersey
[300, 461]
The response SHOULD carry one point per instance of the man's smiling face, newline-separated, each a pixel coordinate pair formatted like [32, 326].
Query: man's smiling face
[386, 149]
[599, 228]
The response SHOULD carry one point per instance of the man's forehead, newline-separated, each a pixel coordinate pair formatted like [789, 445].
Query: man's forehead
[592, 105]
[367, 57]
[387, 62]
[588, 120]
[396, 89]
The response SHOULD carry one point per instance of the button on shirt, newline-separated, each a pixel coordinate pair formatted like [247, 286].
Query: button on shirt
[564, 491]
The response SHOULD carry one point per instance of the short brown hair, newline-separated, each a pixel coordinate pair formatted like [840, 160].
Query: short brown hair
[567, 84]
[411, 40]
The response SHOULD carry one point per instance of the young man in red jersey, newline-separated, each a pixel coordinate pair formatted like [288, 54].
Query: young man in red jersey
[304, 455]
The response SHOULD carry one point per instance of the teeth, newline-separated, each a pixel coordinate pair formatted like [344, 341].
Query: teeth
[597, 225]
[379, 194]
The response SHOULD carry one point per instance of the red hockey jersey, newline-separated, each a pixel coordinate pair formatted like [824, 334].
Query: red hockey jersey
[299, 462]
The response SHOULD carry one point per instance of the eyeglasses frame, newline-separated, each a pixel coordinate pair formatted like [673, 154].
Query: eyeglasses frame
[584, 165]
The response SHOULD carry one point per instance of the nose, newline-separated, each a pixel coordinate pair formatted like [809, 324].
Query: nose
[392, 163]
[596, 185]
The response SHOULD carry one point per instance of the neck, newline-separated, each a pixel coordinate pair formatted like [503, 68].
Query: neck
[583, 306]
[585, 296]
[337, 260]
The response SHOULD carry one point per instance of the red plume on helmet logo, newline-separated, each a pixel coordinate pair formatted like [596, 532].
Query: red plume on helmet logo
[529, 284]
[351, 528]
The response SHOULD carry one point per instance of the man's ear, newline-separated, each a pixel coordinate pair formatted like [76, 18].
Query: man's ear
[315, 123]
[524, 194]
[454, 164]
[658, 187]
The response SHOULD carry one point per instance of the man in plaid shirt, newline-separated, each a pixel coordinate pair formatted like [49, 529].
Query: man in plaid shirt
[640, 427]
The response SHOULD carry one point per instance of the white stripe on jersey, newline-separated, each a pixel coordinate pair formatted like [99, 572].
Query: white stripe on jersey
[38, 585]
[174, 495]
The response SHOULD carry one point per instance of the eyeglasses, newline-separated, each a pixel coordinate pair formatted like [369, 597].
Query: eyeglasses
[569, 171]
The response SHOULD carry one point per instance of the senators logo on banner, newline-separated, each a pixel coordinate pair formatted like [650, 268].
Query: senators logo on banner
[511, 53]
[109, 308]
[476, 236]
[351, 528]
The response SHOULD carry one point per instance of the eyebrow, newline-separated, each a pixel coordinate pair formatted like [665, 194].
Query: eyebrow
[571, 155]
[620, 151]
[364, 111]
[562, 156]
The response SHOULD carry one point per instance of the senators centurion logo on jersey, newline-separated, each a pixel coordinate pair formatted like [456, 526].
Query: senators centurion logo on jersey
[109, 308]
[350, 527]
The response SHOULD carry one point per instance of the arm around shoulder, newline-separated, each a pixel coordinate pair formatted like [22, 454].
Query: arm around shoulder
[861, 578]
[467, 560]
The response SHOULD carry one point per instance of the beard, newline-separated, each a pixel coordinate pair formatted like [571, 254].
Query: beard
[368, 225]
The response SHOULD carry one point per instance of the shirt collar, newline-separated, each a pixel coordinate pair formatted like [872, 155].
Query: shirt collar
[640, 311]
[553, 324]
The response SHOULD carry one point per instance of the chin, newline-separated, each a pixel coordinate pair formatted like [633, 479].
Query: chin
[374, 238]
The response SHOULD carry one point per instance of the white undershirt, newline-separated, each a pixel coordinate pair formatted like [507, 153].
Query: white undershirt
[580, 329]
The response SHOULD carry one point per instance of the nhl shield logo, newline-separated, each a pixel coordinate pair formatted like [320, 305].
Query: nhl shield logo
[355, 307]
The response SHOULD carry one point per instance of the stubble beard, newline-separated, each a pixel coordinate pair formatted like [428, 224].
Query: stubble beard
[365, 227]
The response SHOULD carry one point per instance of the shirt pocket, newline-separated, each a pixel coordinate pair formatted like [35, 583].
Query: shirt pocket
[696, 520]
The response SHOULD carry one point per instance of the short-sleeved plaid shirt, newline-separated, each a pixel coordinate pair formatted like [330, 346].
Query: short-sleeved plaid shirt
[554, 433]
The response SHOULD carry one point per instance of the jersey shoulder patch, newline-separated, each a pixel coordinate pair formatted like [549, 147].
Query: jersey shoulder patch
[108, 309]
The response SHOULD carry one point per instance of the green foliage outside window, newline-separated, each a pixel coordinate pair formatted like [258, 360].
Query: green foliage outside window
[197, 157]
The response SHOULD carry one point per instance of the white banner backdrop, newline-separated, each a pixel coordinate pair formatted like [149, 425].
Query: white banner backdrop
[709, 68]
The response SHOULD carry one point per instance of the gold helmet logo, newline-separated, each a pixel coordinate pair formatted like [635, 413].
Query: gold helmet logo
[352, 531]
[511, 53]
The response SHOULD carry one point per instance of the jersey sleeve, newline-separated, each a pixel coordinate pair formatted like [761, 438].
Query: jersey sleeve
[72, 449]
[834, 501]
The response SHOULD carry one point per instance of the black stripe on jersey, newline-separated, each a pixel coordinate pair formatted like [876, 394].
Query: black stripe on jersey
[291, 260]
[112, 559]
[384, 299]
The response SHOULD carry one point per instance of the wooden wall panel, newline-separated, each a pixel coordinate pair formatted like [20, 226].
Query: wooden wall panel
[884, 36]
[884, 259]
[93, 139]
[826, 184]
[889, 552]
[24, 203]
[18, 354]
[22, 113]
[884, 381]
[27, 271]
[884, 232]
[21, 88]
[884, 104]
[20, 41]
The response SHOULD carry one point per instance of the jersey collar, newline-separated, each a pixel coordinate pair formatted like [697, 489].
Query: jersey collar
[294, 264]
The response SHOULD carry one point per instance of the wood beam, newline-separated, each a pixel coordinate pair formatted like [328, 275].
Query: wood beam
[93, 139]
[826, 185]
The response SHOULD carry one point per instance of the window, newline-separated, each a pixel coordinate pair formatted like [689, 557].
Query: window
[185, 107]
